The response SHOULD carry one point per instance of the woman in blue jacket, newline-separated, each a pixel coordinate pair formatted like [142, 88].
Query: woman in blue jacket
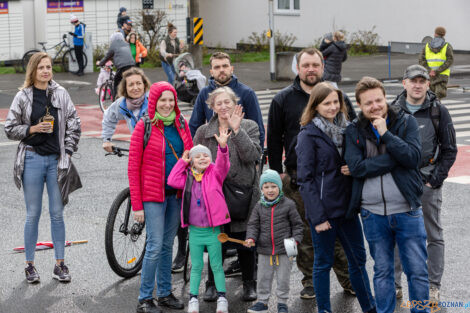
[325, 186]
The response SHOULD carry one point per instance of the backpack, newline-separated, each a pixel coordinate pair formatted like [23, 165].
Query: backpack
[148, 128]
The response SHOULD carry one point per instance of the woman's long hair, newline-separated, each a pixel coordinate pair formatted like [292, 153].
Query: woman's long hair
[32, 68]
[317, 96]
[122, 90]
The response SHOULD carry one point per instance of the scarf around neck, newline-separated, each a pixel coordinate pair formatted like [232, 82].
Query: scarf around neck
[269, 204]
[167, 121]
[335, 131]
[197, 176]
[134, 104]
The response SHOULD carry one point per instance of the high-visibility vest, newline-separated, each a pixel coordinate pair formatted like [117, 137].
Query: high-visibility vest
[437, 59]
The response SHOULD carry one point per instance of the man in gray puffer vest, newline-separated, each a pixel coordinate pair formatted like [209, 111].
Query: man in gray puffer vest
[438, 153]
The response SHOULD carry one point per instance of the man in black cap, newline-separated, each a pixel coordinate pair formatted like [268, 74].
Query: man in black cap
[438, 153]
[126, 28]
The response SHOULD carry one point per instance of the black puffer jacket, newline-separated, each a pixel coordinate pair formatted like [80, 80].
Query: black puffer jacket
[335, 54]
[269, 226]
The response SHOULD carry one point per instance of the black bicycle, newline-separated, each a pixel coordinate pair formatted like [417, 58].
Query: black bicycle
[106, 91]
[124, 238]
[64, 52]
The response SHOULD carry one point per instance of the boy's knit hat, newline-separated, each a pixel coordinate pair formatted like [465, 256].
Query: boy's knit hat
[270, 176]
[200, 149]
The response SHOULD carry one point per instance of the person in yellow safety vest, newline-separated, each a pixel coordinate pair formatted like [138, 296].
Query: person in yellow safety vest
[437, 57]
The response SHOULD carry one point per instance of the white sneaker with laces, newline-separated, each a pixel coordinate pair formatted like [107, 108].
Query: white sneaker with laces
[193, 305]
[222, 305]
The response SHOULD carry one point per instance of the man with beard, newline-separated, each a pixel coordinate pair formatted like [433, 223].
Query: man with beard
[383, 152]
[283, 128]
[438, 153]
[222, 75]
[437, 57]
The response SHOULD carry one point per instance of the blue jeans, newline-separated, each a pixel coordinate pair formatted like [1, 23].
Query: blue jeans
[38, 170]
[350, 235]
[161, 222]
[407, 231]
[169, 71]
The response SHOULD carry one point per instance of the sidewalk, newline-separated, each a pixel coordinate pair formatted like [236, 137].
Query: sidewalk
[256, 75]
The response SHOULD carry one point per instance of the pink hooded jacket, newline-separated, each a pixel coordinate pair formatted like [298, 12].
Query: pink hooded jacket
[212, 181]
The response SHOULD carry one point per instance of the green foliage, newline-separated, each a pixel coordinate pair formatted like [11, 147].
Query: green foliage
[364, 42]
[260, 42]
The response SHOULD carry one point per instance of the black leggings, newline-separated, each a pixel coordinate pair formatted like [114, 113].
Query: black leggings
[246, 257]
[79, 56]
[118, 78]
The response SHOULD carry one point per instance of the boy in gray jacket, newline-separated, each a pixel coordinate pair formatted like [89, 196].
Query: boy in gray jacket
[274, 218]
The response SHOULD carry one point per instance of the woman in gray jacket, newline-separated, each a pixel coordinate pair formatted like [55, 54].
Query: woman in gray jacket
[43, 117]
[245, 152]
[120, 52]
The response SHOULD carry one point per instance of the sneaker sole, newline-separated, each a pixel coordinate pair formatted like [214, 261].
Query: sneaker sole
[177, 270]
[253, 311]
[32, 282]
[66, 280]
[233, 274]
[307, 297]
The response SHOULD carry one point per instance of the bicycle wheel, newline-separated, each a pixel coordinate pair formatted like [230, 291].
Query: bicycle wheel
[69, 61]
[124, 238]
[26, 57]
[105, 95]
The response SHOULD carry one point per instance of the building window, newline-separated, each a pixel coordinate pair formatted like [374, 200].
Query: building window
[287, 6]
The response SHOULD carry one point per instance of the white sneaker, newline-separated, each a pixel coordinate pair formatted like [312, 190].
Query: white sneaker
[222, 305]
[193, 305]
[434, 294]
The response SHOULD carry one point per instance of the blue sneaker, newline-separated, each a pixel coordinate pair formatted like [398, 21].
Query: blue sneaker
[282, 308]
[259, 307]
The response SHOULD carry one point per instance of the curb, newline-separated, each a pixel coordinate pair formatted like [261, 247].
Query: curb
[353, 82]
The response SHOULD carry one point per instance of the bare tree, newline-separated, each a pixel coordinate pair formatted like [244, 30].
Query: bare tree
[152, 23]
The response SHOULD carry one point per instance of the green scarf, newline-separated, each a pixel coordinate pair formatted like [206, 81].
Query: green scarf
[167, 121]
[269, 204]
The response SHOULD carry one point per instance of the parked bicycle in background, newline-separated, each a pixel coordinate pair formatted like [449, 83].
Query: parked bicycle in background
[65, 54]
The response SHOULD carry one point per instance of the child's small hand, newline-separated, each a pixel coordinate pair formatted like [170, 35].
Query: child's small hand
[223, 137]
[186, 157]
[249, 243]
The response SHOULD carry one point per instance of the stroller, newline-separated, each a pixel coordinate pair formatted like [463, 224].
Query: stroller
[188, 81]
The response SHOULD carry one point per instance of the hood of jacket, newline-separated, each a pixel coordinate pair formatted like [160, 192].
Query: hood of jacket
[341, 45]
[436, 44]
[232, 84]
[51, 87]
[395, 113]
[155, 93]
[400, 100]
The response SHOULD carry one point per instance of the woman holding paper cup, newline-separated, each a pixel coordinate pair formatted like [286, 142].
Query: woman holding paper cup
[43, 118]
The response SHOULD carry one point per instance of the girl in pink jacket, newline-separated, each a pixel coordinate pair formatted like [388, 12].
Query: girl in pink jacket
[203, 209]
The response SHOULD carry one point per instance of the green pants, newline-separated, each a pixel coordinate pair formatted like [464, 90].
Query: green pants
[199, 239]
[438, 85]
[305, 248]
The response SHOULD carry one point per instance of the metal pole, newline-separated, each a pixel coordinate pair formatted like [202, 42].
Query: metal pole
[272, 54]
[195, 50]
[389, 60]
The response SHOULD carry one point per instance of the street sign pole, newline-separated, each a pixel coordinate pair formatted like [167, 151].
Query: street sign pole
[195, 49]
[272, 54]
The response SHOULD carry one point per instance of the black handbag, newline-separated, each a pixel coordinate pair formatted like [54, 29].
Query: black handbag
[38, 139]
[238, 199]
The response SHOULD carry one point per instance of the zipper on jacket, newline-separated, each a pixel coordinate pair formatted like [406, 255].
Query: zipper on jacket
[383, 196]
[163, 172]
[272, 230]
[321, 187]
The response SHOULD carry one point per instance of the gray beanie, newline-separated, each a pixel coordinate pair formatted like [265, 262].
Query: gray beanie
[199, 149]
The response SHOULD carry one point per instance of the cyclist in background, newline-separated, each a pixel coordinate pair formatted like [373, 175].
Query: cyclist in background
[78, 39]
[105, 74]
[130, 106]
